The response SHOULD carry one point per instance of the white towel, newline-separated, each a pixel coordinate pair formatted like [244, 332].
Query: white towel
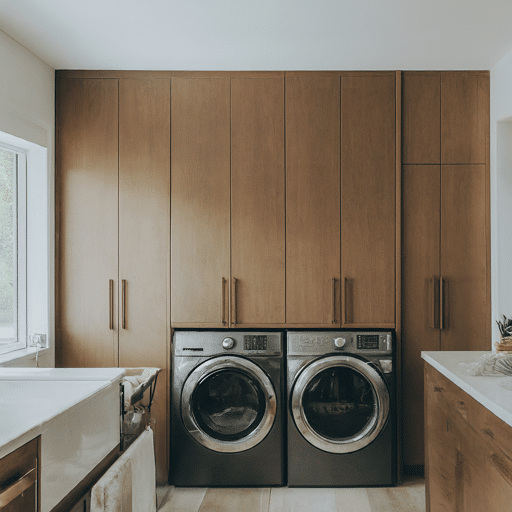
[130, 483]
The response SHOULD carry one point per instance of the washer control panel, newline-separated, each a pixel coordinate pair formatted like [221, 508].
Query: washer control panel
[368, 341]
[255, 342]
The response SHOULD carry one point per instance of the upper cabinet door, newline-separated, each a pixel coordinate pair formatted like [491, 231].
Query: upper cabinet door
[313, 200]
[87, 203]
[200, 201]
[464, 117]
[421, 117]
[368, 206]
[257, 201]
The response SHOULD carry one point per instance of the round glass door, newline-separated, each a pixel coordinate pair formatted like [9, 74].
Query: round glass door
[340, 403]
[228, 404]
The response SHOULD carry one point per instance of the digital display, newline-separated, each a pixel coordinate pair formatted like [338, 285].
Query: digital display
[255, 342]
[368, 341]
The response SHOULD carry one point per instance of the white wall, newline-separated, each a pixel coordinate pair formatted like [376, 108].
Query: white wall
[27, 111]
[501, 189]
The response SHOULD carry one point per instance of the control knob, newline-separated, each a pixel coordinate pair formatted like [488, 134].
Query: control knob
[340, 342]
[228, 343]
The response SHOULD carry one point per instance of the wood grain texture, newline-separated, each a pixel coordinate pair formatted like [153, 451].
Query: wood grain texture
[144, 204]
[421, 222]
[200, 200]
[421, 117]
[258, 200]
[368, 199]
[312, 200]
[464, 117]
[87, 203]
[464, 257]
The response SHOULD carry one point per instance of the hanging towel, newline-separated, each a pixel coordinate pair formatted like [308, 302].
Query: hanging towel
[130, 484]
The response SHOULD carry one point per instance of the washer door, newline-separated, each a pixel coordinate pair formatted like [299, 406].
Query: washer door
[340, 404]
[228, 404]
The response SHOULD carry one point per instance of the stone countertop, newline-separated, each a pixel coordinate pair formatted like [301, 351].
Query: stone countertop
[494, 393]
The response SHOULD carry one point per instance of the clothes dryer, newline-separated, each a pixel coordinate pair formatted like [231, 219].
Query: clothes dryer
[341, 409]
[226, 410]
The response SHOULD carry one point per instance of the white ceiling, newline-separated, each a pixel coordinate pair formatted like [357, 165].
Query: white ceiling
[261, 34]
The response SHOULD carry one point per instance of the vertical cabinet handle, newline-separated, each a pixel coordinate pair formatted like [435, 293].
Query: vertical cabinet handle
[344, 313]
[441, 302]
[433, 303]
[223, 302]
[111, 304]
[234, 301]
[333, 291]
[123, 303]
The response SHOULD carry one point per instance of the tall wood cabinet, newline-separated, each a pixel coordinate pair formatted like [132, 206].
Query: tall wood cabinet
[112, 230]
[228, 206]
[445, 228]
[341, 204]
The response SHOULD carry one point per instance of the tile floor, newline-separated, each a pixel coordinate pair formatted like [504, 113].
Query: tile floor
[407, 497]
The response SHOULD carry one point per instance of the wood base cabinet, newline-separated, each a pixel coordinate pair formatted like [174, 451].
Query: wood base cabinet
[112, 192]
[468, 451]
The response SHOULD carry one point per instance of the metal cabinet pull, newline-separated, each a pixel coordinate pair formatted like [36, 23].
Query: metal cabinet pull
[123, 303]
[441, 302]
[344, 302]
[111, 304]
[234, 301]
[18, 488]
[333, 290]
[433, 303]
[223, 302]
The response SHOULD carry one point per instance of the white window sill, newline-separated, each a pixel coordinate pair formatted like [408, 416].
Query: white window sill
[23, 357]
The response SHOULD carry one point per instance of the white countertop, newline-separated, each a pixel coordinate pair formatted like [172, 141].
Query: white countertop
[12, 373]
[494, 393]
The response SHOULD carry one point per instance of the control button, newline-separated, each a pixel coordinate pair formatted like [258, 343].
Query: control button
[386, 365]
[228, 343]
[340, 342]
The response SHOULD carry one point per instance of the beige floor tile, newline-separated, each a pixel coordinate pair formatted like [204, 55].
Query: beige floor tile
[236, 500]
[352, 500]
[183, 500]
[284, 499]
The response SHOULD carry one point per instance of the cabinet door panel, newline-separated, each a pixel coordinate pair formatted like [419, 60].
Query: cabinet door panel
[200, 200]
[312, 200]
[421, 221]
[257, 200]
[144, 182]
[421, 118]
[464, 257]
[86, 195]
[464, 118]
[368, 199]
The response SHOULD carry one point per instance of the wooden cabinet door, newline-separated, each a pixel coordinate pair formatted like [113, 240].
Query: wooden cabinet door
[200, 201]
[421, 117]
[464, 117]
[257, 201]
[368, 205]
[87, 231]
[421, 221]
[144, 196]
[464, 257]
[313, 200]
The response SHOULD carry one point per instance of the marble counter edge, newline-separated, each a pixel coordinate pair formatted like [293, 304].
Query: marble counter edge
[485, 390]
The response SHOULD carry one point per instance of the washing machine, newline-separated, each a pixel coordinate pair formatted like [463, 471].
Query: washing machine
[341, 409]
[227, 409]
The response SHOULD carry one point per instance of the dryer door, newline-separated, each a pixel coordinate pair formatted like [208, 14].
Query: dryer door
[228, 404]
[340, 403]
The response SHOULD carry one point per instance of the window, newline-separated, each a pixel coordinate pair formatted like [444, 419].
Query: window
[13, 317]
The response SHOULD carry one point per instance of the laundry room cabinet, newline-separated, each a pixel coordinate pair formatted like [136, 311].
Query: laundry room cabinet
[445, 228]
[112, 208]
[228, 201]
[341, 199]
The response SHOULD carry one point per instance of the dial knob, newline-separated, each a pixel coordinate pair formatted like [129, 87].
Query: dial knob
[340, 342]
[228, 343]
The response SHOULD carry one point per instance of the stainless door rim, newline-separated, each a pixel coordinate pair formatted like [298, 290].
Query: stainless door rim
[374, 426]
[233, 363]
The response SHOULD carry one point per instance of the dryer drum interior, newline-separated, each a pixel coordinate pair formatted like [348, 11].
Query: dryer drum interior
[340, 404]
[228, 404]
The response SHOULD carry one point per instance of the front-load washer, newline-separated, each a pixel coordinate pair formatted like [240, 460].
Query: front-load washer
[341, 409]
[227, 409]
